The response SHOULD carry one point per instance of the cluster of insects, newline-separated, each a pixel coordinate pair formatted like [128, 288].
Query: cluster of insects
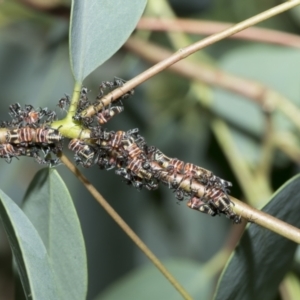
[140, 165]
[29, 134]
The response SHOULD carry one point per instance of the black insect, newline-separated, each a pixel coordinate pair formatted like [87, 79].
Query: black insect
[84, 153]
[64, 102]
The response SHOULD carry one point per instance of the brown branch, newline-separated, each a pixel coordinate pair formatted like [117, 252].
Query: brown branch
[255, 91]
[194, 188]
[249, 213]
[185, 52]
[202, 27]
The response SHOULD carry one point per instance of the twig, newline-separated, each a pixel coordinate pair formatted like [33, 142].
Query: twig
[252, 90]
[251, 186]
[249, 213]
[264, 166]
[288, 144]
[267, 221]
[117, 218]
[203, 27]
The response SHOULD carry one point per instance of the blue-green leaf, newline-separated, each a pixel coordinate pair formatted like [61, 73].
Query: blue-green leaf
[50, 208]
[148, 283]
[265, 64]
[262, 258]
[29, 252]
[98, 29]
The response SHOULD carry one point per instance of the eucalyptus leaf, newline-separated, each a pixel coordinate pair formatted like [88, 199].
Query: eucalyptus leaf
[50, 208]
[147, 282]
[98, 29]
[263, 257]
[259, 63]
[29, 252]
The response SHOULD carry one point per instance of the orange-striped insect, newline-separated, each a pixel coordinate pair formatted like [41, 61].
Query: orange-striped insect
[84, 153]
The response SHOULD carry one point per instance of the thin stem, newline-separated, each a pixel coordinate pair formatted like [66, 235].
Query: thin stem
[264, 166]
[203, 27]
[117, 218]
[249, 213]
[288, 144]
[185, 52]
[267, 221]
[74, 101]
[254, 188]
[255, 91]
[67, 126]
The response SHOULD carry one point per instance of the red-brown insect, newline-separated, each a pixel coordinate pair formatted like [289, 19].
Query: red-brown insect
[8, 151]
[29, 116]
[132, 149]
[198, 204]
[218, 200]
[105, 115]
[139, 168]
[116, 140]
[45, 136]
[22, 136]
[26, 136]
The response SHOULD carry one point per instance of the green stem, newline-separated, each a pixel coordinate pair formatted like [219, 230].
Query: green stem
[67, 126]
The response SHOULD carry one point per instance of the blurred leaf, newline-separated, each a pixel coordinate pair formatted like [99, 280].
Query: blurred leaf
[50, 208]
[290, 287]
[13, 11]
[147, 282]
[29, 252]
[98, 29]
[262, 257]
[265, 64]
[295, 13]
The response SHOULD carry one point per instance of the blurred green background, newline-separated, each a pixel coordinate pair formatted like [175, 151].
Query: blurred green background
[34, 64]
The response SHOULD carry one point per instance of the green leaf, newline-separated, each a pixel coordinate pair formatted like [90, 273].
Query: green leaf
[50, 208]
[29, 252]
[148, 283]
[265, 64]
[98, 29]
[262, 257]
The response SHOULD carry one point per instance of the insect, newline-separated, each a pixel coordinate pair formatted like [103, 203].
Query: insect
[129, 178]
[47, 135]
[99, 134]
[197, 204]
[132, 149]
[218, 200]
[86, 121]
[105, 115]
[26, 136]
[22, 136]
[64, 102]
[15, 112]
[136, 175]
[105, 162]
[116, 140]
[8, 151]
[191, 171]
[117, 82]
[29, 116]
[139, 168]
[84, 153]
